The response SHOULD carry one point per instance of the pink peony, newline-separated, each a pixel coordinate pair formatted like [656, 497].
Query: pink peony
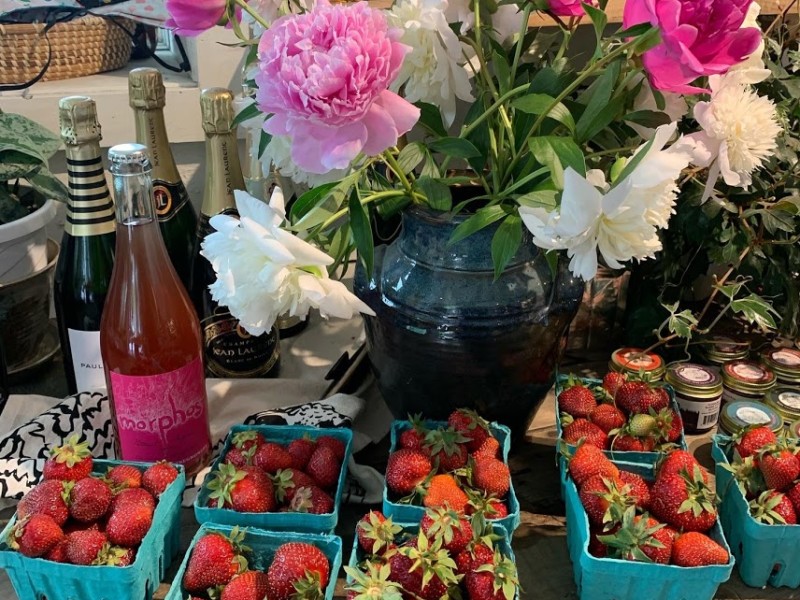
[698, 38]
[193, 17]
[324, 77]
[569, 8]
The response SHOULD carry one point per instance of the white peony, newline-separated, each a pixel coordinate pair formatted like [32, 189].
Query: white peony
[433, 71]
[752, 69]
[264, 271]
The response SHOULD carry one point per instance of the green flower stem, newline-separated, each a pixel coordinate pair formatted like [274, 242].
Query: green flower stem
[518, 49]
[368, 200]
[611, 151]
[492, 109]
[391, 161]
[250, 11]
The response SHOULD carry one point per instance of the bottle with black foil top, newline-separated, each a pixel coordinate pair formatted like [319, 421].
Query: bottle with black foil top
[229, 350]
[177, 218]
[86, 260]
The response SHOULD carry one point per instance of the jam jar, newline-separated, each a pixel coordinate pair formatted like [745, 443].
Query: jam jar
[633, 361]
[735, 416]
[785, 363]
[786, 402]
[719, 350]
[698, 390]
[746, 380]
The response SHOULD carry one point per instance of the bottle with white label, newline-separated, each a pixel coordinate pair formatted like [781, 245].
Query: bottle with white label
[83, 272]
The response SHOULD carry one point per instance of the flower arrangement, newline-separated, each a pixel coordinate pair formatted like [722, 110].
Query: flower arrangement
[380, 109]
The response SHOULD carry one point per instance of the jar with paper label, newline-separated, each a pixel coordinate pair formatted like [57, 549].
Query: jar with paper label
[785, 363]
[746, 380]
[718, 350]
[635, 361]
[698, 390]
[786, 402]
[735, 416]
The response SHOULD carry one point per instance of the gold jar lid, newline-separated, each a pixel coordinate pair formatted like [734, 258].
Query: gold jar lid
[721, 349]
[735, 416]
[784, 362]
[635, 361]
[748, 377]
[693, 380]
[146, 88]
[785, 401]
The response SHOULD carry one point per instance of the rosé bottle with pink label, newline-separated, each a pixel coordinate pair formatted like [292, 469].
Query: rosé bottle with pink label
[150, 336]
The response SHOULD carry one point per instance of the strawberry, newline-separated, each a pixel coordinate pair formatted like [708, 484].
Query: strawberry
[597, 548]
[311, 500]
[334, 444]
[637, 489]
[684, 501]
[750, 440]
[447, 449]
[453, 528]
[607, 417]
[640, 538]
[241, 458]
[694, 549]
[779, 466]
[301, 450]
[498, 581]
[48, 497]
[470, 559]
[70, 462]
[424, 569]
[641, 426]
[612, 381]
[117, 556]
[243, 490]
[628, 443]
[286, 482]
[582, 429]
[576, 400]
[298, 570]
[491, 508]
[489, 448]
[492, 476]
[638, 397]
[35, 535]
[90, 500]
[133, 496]
[588, 461]
[443, 490]
[124, 476]
[605, 500]
[773, 508]
[372, 584]
[794, 496]
[680, 462]
[324, 467]
[157, 477]
[376, 533]
[58, 553]
[245, 440]
[669, 424]
[471, 425]
[746, 474]
[271, 458]
[414, 438]
[214, 561]
[84, 547]
[250, 585]
[406, 470]
[129, 523]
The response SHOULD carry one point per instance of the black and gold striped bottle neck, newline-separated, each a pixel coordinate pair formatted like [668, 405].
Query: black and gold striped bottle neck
[90, 210]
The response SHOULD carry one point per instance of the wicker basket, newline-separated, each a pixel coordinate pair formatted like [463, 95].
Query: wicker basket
[80, 47]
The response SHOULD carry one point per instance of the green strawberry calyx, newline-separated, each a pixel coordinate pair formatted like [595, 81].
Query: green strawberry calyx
[505, 574]
[71, 452]
[382, 533]
[224, 479]
[700, 498]
[434, 560]
[373, 584]
[763, 509]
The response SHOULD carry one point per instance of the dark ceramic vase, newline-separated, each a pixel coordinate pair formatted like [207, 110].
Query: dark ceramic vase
[447, 335]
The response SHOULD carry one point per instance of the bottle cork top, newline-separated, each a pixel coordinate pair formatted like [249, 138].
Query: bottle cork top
[216, 107]
[77, 118]
[146, 88]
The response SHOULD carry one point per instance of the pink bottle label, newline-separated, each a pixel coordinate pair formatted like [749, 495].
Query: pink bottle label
[162, 416]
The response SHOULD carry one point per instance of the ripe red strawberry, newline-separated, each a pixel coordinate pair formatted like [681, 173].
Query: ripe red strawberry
[286, 482]
[577, 400]
[607, 417]
[794, 496]
[35, 535]
[243, 490]
[84, 547]
[773, 508]
[669, 424]
[298, 568]
[241, 458]
[69, 462]
[271, 458]
[779, 466]
[638, 489]
[90, 500]
[128, 524]
[680, 462]
[245, 440]
[334, 444]
[588, 461]
[582, 429]
[597, 548]
[124, 476]
[311, 500]
[452, 528]
[490, 448]
[49, 498]
[250, 585]
[492, 476]
[376, 533]
[157, 477]
[685, 502]
[406, 470]
[117, 556]
[628, 443]
[638, 397]
[414, 437]
[498, 581]
[640, 539]
[491, 508]
[71, 526]
[58, 553]
[447, 449]
[443, 490]
[214, 561]
[605, 500]
[612, 381]
[419, 557]
[471, 559]
[752, 439]
[301, 450]
[694, 549]
[133, 496]
[324, 467]
[471, 425]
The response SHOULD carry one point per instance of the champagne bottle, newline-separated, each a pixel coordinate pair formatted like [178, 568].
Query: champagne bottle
[83, 272]
[150, 335]
[176, 215]
[229, 350]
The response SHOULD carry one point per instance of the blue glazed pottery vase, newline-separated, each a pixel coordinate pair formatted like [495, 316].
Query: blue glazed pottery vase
[448, 335]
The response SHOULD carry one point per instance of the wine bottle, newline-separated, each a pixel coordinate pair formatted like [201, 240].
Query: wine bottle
[229, 350]
[150, 336]
[176, 215]
[83, 272]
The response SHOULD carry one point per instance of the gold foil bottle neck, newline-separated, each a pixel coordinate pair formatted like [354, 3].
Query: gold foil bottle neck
[146, 88]
[77, 118]
[216, 107]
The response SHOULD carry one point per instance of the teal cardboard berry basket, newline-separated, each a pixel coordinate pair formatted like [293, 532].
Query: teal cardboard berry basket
[263, 545]
[277, 521]
[613, 579]
[39, 579]
[504, 545]
[765, 554]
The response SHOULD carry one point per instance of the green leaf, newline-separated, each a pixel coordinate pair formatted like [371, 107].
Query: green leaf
[505, 243]
[633, 163]
[49, 186]
[248, 112]
[599, 95]
[263, 141]
[502, 71]
[632, 31]
[305, 203]
[483, 217]
[599, 21]
[537, 104]
[410, 156]
[567, 151]
[362, 232]
[21, 131]
[682, 323]
[546, 155]
[730, 290]
[431, 119]
[437, 193]
[648, 118]
[755, 310]
[545, 199]
[455, 147]
[16, 165]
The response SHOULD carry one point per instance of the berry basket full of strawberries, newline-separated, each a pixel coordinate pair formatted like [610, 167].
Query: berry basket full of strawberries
[637, 530]
[99, 529]
[277, 477]
[758, 483]
[461, 463]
